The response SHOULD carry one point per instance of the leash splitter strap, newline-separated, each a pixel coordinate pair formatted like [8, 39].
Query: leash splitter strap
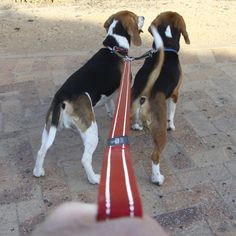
[118, 192]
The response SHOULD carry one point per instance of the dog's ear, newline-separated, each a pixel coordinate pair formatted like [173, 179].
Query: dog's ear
[131, 25]
[108, 22]
[149, 29]
[182, 28]
[185, 35]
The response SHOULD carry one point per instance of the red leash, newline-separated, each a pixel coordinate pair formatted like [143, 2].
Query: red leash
[118, 192]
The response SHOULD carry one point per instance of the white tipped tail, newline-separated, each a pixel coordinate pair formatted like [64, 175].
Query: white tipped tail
[157, 38]
[159, 58]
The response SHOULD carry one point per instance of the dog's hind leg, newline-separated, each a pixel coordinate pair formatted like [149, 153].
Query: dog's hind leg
[159, 134]
[171, 106]
[47, 140]
[136, 117]
[157, 177]
[90, 140]
[83, 117]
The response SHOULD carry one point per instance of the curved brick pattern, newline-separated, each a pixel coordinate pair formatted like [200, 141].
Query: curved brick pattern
[199, 195]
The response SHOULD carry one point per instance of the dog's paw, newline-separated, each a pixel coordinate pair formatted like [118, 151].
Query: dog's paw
[137, 126]
[95, 179]
[38, 172]
[170, 126]
[158, 179]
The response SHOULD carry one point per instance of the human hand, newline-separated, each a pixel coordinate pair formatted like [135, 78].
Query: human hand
[73, 219]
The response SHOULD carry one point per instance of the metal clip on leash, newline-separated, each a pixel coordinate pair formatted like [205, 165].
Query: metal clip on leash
[118, 192]
[118, 51]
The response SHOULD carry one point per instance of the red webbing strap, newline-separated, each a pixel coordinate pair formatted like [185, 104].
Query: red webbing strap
[118, 192]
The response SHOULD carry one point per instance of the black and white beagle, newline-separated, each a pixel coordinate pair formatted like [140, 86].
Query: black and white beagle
[156, 87]
[93, 84]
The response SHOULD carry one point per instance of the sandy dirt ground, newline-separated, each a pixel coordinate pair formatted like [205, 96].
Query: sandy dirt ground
[71, 25]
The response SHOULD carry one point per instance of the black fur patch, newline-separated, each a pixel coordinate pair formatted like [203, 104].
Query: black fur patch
[142, 75]
[169, 75]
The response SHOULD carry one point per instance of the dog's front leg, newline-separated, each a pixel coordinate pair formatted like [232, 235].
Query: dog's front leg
[110, 107]
[109, 104]
[90, 140]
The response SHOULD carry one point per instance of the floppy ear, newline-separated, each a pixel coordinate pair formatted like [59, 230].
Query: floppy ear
[185, 35]
[108, 22]
[133, 31]
[184, 31]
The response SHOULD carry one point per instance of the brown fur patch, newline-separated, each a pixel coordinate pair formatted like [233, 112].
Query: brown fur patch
[158, 125]
[81, 112]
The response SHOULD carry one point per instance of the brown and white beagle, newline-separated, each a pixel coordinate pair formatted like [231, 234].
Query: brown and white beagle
[156, 87]
[91, 85]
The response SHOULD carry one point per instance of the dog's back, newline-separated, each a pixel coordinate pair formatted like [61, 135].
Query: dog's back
[169, 76]
[100, 75]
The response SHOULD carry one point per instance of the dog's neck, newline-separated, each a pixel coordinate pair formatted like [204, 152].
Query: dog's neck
[112, 44]
[168, 48]
[117, 36]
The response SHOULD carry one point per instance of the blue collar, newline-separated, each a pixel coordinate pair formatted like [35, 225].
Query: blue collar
[170, 50]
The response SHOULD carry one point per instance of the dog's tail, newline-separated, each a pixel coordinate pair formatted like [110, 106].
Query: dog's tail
[148, 73]
[54, 113]
[159, 58]
[157, 37]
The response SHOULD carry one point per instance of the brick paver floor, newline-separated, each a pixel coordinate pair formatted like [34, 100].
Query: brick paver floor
[199, 162]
